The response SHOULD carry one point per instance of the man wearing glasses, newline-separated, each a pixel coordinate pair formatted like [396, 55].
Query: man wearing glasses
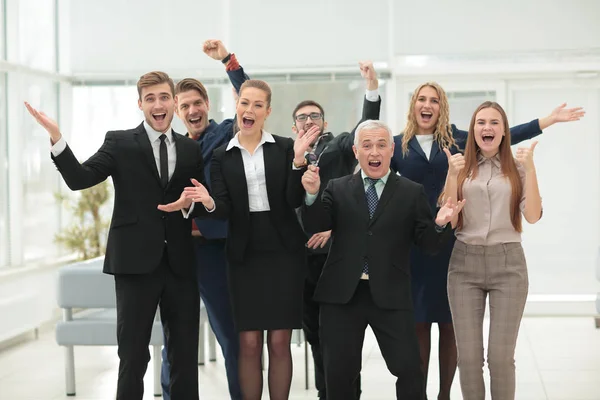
[335, 158]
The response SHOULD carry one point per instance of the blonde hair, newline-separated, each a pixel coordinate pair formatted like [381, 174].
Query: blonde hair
[443, 130]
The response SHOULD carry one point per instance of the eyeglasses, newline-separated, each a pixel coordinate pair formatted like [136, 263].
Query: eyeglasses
[313, 116]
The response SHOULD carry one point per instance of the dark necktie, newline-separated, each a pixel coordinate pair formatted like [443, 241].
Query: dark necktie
[164, 161]
[372, 200]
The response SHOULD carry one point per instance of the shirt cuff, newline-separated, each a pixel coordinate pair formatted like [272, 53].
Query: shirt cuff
[310, 199]
[372, 95]
[440, 229]
[58, 147]
[186, 213]
[213, 209]
[294, 168]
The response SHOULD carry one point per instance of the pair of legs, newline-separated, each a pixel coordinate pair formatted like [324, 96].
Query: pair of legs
[447, 354]
[138, 297]
[211, 271]
[342, 335]
[499, 271]
[310, 324]
[280, 364]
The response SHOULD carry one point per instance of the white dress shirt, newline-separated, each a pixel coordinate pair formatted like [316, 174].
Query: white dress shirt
[426, 143]
[254, 169]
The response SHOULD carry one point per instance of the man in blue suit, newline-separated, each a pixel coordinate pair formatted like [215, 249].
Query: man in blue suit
[192, 106]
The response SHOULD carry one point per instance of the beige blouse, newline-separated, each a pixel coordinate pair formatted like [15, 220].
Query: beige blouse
[486, 214]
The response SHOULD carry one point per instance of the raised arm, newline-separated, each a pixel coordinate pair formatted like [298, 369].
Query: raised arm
[317, 215]
[456, 163]
[77, 176]
[216, 50]
[531, 201]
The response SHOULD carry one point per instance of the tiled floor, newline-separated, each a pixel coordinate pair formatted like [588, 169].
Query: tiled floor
[557, 359]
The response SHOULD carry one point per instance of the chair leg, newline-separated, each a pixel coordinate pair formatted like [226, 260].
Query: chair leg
[157, 362]
[201, 350]
[212, 345]
[70, 370]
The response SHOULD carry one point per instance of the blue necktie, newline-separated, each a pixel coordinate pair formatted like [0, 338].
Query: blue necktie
[372, 200]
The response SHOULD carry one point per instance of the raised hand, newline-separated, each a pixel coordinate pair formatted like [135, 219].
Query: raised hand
[303, 142]
[367, 71]
[199, 194]
[562, 114]
[311, 181]
[215, 49]
[456, 162]
[46, 122]
[318, 240]
[525, 156]
[178, 205]
[448, 211]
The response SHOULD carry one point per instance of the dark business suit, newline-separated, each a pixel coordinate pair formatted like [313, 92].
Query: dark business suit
[349, 304]
[265, 250]
[336, 159]
[149, 252]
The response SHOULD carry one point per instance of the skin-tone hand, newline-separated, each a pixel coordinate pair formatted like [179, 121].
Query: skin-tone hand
[525, 156]
[181, 204]
[46, 122]
[448, 211]
[199, 194]
[456, 162]
[367, 71]
[303, 142]
[318, 240]
[562, 114]
[311, 181]
[215, 49]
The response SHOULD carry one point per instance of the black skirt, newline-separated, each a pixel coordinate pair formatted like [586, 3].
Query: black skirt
[266, 289]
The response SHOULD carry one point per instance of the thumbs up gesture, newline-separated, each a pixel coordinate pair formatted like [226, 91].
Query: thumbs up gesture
[525, 156]
[456, 162]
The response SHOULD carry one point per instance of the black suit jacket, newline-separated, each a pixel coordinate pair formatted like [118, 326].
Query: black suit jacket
[284, 190]
[402, 217]
[138, 230]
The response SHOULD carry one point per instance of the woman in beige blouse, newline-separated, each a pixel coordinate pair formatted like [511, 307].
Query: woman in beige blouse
[488, 258]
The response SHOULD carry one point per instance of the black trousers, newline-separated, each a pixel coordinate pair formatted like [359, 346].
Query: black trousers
[138, 297]
[342, 335]
[310, 324]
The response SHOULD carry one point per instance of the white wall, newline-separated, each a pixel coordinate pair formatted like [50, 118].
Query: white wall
[140, 35]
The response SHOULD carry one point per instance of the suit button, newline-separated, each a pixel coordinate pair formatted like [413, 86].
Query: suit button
[165, 241]
[370, 233]
[163, 217]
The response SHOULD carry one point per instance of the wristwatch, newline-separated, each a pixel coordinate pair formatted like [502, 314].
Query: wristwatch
[226, 59]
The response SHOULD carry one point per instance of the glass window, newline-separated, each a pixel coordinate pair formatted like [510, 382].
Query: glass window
[4, 243]
[39, 179]
[36, 35]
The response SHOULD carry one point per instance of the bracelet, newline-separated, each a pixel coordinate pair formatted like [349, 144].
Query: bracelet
[226, 59]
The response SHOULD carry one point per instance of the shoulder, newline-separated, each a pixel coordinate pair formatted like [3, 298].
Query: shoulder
[282, 141]
[186, 141]
[406, 184]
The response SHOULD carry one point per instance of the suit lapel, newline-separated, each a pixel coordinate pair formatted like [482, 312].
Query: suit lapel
[143, 141]
[435, 149]
[386, 195]
[270, 156]
[358, 190]
[235, 166]
[413, 143]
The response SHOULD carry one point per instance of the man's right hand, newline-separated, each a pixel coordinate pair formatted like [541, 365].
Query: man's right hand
[311, 180]
[46, 122]
[215, 49]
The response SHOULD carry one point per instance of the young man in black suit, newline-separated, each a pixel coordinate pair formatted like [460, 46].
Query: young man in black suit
[335, 159]
[375, 216]
[149, 251]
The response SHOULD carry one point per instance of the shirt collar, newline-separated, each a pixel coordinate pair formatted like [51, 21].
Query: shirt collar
[235, 142]
[383, 179]
[154, 135]
[494, 160]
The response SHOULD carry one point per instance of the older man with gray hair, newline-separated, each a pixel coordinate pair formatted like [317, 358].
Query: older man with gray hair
[374, 216]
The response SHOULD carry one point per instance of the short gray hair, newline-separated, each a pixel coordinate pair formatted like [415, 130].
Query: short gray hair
[370, 125]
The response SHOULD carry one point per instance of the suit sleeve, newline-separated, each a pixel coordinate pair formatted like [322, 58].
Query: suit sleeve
[318, 217]
[96, 169]
[518, 133]
[371, 110]
[219, 193]
[294, 190]
[426, 236]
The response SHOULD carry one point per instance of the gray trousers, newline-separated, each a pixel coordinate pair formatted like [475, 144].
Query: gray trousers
[475, 272]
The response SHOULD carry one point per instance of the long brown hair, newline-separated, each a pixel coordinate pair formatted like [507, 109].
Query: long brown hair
[508, 165]
[443, 130]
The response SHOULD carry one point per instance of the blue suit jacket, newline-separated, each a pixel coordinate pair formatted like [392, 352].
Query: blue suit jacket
[432, 173]
[214, 136]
